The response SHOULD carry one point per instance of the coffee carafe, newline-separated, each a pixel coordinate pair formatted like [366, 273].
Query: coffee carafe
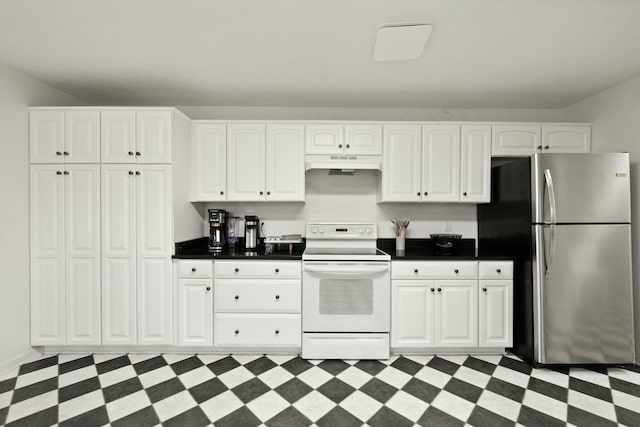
[217, 230]
[251, 232]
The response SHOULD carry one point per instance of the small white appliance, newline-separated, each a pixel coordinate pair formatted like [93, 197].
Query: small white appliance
[346, 292]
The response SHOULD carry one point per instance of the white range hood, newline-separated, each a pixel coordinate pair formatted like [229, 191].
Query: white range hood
[343, 163]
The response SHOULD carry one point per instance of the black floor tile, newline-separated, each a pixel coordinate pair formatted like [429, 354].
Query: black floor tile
[194, 417]
[506, 389]
[579, 417]
[548, 389]
[422, 390]
[94, 417]
[480, 365]
[145, 417]
[72, 365]
[290, 417]
[78, 389]
[443, 365]
[149, 365]
[627, 417]
[297, 365]
[32, 390]
[624, 386]
[334, 367]
[407, 365]
[386, 417]
[47, 417]
[336, 390]
[293, 390]
[122, 389]
[38, 364]
[8, 385]
[515, 365]
[240, 417]
[186, 365]
[591, 389]
[165, 389]
[531, 417]
[221, 366]
[338, 417]
[113, 364]
[260, 365]
[463, 389]
[481, 417]
[249, 390]
[379, 390]
[3, 415]
[434, 417]
[208, 389]
[371, 367]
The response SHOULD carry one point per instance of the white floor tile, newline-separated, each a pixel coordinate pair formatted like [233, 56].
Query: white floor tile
[174, 405]
[625, 400]
[210, 358]
[315, 376]
[80, 405]
[117, 375]
[361, 405]
[511, 376]
[235, 376]
[64, 358]
[453, 405]
[281, 358]
[37, 376]
[103, 357]
[156, 376]
[267, 405]
[491, 358]
[423, 360]
[33, 405]
[137, 357]
[499, 405]
[454, 358]
[545, 404]
[622, 374]
[275, 376]
[243, 359]
[553, 377]
[5, 399]
[221, 405]
[355, 377]
[77, 376]
[433, 376]
[472, 376]
[407, 405]
[393, 376]
[314, 405]
[590, 376]
[196, 376]
[174, 358]
[127, 405]
[591, 404]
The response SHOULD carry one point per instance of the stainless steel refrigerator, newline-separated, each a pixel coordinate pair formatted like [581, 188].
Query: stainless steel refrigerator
[566, 219]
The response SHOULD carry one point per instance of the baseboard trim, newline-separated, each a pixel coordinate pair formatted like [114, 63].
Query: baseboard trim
[18, 360]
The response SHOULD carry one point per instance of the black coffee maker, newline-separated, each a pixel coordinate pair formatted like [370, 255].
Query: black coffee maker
[217, 230]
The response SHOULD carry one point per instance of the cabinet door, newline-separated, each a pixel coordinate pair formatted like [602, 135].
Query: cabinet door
[440, 163]
[475, 164]
[324, 139]
[246, 162]
[496, 313]
[118, 136]
[195, 312]
[456, 313]
[566, 139]
[153, 249]
[82, 214]
[47, 255]
[515, 140]
[363, 139]
[46, 136]
[153, 136]
[118, 196]
[82, 137]
[401, 173]
[412, 313]
[285, 163]
[209, 159]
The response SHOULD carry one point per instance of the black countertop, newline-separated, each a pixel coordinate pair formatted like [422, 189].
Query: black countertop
[415, 250]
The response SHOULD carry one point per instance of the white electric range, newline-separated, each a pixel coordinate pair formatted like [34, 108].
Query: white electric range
[346, 292]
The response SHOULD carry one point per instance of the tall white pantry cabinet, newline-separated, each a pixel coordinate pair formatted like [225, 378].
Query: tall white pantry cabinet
[101, 226]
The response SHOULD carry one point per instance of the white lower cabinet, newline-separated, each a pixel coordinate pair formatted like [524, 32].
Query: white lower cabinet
[195, 312]
[442, 304]
[257, 330]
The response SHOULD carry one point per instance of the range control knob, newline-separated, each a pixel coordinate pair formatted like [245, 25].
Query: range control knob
[369, 230]
[360, 230]
[322, 230]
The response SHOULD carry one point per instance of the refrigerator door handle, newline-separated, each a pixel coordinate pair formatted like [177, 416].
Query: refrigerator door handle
[552, 249]
[548, 180]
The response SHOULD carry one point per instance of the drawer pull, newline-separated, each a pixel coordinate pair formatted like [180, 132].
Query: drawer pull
[498, 271]
[439, 289]
[415, 271]
[236, 269]
[277, 297]
[484, 289]
[277, 331]
[237, 331]
[208, 288]
[433, 290]
[193, 269]
[237, 297]
[277, 270]
[456, 271]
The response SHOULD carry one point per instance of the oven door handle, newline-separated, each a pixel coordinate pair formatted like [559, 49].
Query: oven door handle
[350, 271]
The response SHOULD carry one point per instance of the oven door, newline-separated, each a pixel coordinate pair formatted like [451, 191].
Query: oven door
[346, 296]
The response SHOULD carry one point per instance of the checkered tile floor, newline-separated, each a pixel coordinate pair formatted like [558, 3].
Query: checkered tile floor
[179, 390]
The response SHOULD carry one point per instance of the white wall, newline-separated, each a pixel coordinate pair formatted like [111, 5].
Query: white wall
[19, 91]
[615, 114]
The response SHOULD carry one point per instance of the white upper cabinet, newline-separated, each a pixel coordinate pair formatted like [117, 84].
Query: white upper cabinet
[324, 139]
[118, 136]
[209, 159]
[475, 164]
[285, 174]
[402, 166]
[515, 140]
[441, 163]
[64, 136]
[363, 139]
[566, 138]
[246, 162]
[130, 136]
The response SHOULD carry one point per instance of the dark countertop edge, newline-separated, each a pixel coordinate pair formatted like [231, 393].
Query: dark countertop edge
[277, 257]
[450, 258]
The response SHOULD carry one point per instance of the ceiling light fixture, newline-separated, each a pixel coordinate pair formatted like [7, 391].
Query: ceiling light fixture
[401, 42]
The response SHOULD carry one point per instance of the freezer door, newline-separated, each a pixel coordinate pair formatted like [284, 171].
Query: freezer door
[581, 188]
[583, 305]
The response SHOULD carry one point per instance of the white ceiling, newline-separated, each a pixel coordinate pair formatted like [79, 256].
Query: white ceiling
[482, 53]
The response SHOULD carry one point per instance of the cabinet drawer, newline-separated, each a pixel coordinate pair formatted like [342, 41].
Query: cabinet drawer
[434, 270]
[250, 330]
[255, 296]
[496, 270]
[258, 269]
[195, 269]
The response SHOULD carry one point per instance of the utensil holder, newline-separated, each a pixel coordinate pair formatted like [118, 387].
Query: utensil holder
[400, 243]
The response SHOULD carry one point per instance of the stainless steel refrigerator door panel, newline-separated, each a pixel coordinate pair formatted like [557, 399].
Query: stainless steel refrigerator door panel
[585, 307]
[538, 269]
[586, 188]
